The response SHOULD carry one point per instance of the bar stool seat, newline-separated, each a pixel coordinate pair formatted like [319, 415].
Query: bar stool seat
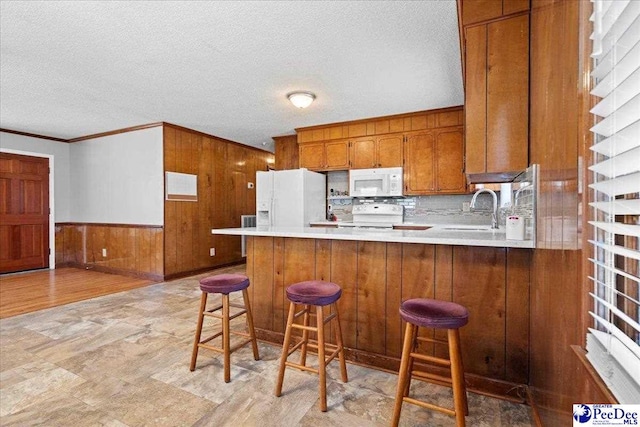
[319, 294]
[430, 313]
[224, 284]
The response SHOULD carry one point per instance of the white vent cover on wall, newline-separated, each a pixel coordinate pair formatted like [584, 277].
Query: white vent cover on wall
[246, 221]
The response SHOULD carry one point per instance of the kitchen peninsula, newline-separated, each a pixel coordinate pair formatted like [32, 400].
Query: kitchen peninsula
[377, 269]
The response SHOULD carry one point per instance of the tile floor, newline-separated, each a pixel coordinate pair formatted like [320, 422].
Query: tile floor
[123, 360]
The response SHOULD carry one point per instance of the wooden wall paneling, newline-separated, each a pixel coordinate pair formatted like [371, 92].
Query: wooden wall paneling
[371, 307]
[280, 302]
[344, 272]
[517, 315]
[206, 191]
[143, 248]
[418, 275]
[323, 260]
[299, 262]
[158, 253]
[262, 282]
[393, 325]
[59, 242]
[443, 284]
[508, 94]
[479, 284]
[475, 98]
[286, 151]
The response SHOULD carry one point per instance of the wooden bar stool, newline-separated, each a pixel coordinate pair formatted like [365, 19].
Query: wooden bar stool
[319, 294]
[224, 284]
[429, 313]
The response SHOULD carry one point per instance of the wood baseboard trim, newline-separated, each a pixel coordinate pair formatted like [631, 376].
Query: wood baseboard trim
[593, 374]
[98, 224]
[499, 389]
[110, 270]
[182, 274]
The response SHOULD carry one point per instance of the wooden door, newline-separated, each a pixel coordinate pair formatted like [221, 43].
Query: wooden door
[363, 153]
[312, 156]
[508, 95]
[449, 158]
[389, 151]
[24, 213]
[419, 173]
[337, 155]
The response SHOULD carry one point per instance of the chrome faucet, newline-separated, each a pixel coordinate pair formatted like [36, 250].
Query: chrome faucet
[494, 215]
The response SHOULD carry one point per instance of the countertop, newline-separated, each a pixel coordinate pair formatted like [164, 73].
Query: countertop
[438, 234]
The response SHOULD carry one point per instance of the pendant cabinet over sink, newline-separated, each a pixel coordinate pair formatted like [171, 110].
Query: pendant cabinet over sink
[496, 64]
[435, 162]
[428, 144]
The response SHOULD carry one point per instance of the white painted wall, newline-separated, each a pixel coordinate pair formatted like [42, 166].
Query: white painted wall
[118, 179]
[60, 154]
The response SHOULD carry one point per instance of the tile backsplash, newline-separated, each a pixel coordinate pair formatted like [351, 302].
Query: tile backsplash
[514, 198]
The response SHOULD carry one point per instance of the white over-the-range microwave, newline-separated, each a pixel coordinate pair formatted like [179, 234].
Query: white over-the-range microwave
[380, 182]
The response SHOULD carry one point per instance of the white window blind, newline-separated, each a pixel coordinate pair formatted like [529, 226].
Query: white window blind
[613, 343]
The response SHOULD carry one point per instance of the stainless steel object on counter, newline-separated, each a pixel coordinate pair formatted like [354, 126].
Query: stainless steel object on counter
[494, 215]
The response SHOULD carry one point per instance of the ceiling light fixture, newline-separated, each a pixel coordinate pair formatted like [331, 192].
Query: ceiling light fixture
[301, 99]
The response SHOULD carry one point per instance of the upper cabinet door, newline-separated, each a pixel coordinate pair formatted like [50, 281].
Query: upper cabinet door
[497, 96]
[337, 155]
[419, 174]
[508, 95]
[363, 153]
[312, 156]
[449, 157]
[389, 151]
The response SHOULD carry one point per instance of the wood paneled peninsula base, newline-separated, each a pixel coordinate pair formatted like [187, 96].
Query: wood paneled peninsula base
[492, 282]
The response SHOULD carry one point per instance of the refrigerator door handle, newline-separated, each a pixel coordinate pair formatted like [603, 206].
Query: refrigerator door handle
[272, 216]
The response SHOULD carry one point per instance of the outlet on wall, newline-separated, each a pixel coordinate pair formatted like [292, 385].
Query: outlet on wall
[104, 252]
[212, 252]
[466, 206]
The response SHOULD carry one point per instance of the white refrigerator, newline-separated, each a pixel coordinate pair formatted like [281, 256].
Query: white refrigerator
[290, 198]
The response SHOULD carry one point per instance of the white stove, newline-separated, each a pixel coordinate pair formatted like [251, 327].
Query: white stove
[375, 215]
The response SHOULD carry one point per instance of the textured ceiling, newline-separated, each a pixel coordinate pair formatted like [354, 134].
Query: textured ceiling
[75, 68]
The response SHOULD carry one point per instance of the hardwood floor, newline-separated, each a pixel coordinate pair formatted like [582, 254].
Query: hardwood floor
[28, 292]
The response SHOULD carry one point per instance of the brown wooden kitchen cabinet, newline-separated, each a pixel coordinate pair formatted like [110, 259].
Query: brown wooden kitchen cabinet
[325, 156]
[382, 151]
[475, 11]
[497, 96]
[434, 162]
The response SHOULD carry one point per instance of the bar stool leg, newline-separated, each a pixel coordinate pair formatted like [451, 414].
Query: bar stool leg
[457, 377]
[196, 341]
[322, 368]
[252, 331]
[404, 371]
[305, 336]
[343, 365]
[285, 349]
[414, 343]
[226, 339]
